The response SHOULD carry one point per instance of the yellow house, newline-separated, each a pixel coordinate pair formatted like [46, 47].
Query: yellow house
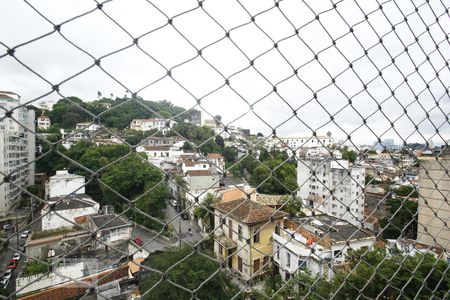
[243, 235]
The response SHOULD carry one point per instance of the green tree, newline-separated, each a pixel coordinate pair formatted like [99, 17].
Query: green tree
[131, 178]
[275, 177]
[205, 212]
[404, 223]
[230, 154]
[349, 155]
[407, 191]
[189, 270]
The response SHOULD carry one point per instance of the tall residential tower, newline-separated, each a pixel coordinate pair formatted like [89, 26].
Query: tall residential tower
[17, 150]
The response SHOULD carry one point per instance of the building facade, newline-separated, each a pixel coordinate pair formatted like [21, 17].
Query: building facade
[332, 186]
[243, 239]
[43, 122]
[161, 125]
[17, 150]
[63, 183]
[434, 209]
[315, 244]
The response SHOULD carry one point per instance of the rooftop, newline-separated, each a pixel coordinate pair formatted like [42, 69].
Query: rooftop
[214, 155]
[157, 148]
[199, 173]
[76, 201]
[271, 200]
[109, 221]
[337, 230]
[247, 211]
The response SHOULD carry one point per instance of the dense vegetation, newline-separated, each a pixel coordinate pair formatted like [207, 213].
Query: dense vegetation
[129, 174]
[404, 219]
[189, 270]
[66, 113]
[272, 173]
[373, 276]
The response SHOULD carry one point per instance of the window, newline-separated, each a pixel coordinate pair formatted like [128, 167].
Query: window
[256, 265]
[277, 229]
[337, 253]
[278, 252]
[256, 235]
[239, 264]
[266, 262]
[220, 249]
[288, 259]
[240, 232]
[230, 229]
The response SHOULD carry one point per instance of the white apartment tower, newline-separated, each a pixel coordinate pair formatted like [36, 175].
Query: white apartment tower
[318, 177]
[17, 150]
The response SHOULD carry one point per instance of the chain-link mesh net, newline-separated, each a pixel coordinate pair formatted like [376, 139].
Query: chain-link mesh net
[128, 197]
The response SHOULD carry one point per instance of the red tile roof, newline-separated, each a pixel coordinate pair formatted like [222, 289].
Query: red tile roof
[247, 211]
[199, 173]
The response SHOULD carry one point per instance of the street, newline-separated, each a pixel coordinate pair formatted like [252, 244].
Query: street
[182, 226]
[5, 256]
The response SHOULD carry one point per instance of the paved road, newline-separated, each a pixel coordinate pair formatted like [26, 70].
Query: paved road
[151, 242]
[7, 254]
[182, 226]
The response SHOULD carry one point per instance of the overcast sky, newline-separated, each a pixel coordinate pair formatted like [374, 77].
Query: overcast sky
[290, 67]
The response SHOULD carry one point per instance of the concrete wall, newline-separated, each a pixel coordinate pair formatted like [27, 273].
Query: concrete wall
[434, 209]
[54, 220]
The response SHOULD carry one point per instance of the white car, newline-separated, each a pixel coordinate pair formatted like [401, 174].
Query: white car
[5, 282]
[16, 256]
[174, 202]
[7, 274]
[23, 236]
[28, 232]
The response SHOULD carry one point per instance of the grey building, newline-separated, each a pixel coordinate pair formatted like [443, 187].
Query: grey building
[434, 209]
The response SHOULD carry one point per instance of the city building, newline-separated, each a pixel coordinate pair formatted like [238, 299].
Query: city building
[61, 211]
[18, 150]
[160, 125]
[308, 141]
[243, 238]
[332, 186]
[318, 244]
[110, 229]
[63, 183]
[200, 180]
[43, 122]
[434, 208]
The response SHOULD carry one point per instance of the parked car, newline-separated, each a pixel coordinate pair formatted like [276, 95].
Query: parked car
[16, 256]
[174, 202]
[178, 208]
[28, 232]
[24, 236]
[7, 274]
[22, 249]
[8, 226]
[12, 264]
[5, 282]
[138, 241]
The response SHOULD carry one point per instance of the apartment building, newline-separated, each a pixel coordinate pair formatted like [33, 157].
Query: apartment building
[17, 150]
[434, 208]
[317, 244]
[160, 125]
[63, 183]
[332, 186]
[308, 141]
[244, 239]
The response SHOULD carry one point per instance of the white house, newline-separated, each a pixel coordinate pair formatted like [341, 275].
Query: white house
[61, 212]
[308, 141]
[43, 122]
[161, 125]
[63, 184]
[110, 229]
[315, 244]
